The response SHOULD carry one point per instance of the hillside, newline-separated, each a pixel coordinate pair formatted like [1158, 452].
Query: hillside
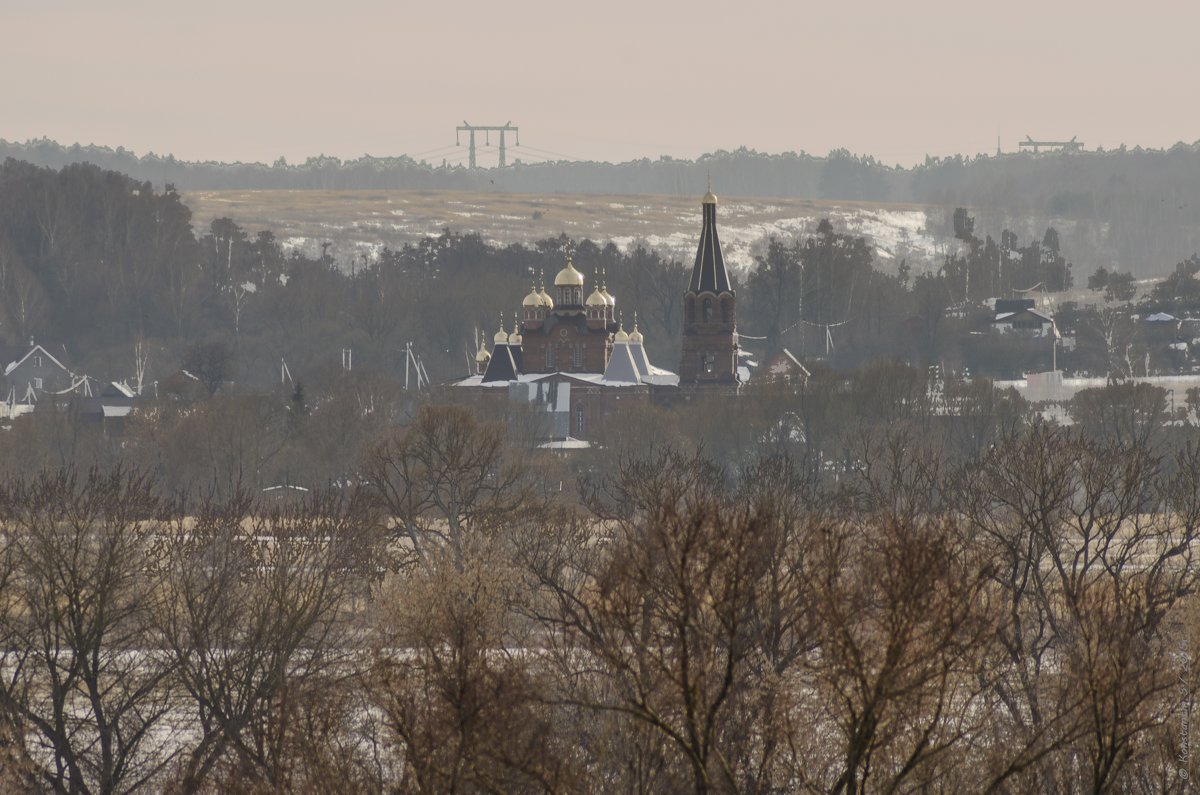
[361, 222]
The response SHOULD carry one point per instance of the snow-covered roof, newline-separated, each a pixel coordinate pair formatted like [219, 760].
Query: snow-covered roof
[565, 444]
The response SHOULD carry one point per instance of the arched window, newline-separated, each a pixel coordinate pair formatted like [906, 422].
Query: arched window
[708, 310]
[549, 357]
[690, 309]
[726, 310]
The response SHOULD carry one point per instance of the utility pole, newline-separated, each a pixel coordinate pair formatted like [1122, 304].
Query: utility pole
[471, 129]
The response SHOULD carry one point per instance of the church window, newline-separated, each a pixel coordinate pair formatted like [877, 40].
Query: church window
[708, 310]
[549, 357]
[710, 362]
[577, 359]
[37, 361]
[579, 422]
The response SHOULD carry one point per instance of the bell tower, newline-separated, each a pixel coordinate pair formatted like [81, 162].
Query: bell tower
[710, 345]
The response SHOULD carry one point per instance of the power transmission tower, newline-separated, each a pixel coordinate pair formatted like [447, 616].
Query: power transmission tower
[471, 129]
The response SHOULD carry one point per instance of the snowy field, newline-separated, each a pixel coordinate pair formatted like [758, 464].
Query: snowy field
[359, 223]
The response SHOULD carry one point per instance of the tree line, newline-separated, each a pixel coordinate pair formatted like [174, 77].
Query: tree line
[1139, 205]
[94, 264]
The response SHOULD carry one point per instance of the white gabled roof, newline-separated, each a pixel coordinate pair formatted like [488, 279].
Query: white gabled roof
[14, 365]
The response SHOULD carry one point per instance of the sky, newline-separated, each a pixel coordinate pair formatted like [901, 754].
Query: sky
[254, 80]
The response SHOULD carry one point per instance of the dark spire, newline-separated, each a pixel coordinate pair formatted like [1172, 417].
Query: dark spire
[709, 275]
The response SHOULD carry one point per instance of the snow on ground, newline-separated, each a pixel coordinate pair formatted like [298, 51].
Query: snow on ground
[362, 223]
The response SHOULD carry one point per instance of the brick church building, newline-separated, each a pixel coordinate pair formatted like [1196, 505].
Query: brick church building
[571, 356]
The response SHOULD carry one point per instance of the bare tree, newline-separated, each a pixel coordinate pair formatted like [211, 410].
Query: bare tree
[1092, 543]
[255, 623]
[459, 684]
[902, 627]
[444, 478]
[83, 676]
[658, 620]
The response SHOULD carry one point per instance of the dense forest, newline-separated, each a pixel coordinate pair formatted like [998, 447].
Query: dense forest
[1143, 204]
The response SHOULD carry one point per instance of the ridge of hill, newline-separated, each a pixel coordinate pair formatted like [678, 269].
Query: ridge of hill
[1140, 206]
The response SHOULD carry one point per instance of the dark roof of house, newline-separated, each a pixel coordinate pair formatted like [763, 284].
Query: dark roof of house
[14, 356]
[1008, 317]
[1014, 304]
[709, 274]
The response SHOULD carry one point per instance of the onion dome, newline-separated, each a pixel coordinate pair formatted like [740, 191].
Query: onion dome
[547, 301]
[635, 336]
[483, 354]
[621, 336]
[515, 337]
[709, 198]
[597, 297]
[608, 297]
[568, 276]
[501, 337]
[533, 300]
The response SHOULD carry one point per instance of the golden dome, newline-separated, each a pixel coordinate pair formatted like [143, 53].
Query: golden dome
[709, 198]
[483, 354]
[544, 296]
[533, 300]
[501, 337]
[597, 297]
[608, 297]
[515, 337]
[568, 276]
[621, 336]
[635, 336]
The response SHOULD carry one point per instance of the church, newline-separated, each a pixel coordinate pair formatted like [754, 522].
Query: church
[571, 356]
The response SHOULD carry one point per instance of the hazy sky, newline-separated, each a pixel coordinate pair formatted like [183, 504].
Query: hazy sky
[616, 79]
